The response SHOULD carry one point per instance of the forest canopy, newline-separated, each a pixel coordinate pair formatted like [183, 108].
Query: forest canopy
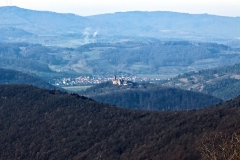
[49, 124]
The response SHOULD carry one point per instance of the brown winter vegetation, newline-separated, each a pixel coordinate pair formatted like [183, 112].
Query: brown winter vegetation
[221, 146]
[48, 124]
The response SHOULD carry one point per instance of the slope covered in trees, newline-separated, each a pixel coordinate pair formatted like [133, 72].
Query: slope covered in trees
[222, 82]
[9, 76]
[43, 124]
[147, 96]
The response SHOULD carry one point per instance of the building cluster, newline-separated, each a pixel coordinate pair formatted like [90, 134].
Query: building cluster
[118, 81]
[96, 79]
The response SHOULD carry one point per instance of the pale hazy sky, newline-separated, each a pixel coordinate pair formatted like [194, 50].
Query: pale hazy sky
[92, 7]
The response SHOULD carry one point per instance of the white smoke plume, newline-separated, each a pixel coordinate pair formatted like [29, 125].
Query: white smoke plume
[89, 35]
[95, 34]
[86, 35]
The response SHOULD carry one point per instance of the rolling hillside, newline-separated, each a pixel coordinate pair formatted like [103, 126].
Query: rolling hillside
[149, 97]
[222, 82]
[42, 124]
[112, 47]
[9, 76]
[172, 120]
[163, 59]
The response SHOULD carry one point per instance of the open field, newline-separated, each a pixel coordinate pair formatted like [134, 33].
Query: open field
[157, 76]
[76, 88]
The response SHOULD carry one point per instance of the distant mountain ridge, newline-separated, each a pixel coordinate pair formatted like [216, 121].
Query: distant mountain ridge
[38, 22]
[162, 22]
[161, 25]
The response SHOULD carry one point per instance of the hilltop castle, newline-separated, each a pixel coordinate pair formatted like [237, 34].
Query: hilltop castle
[118, 81]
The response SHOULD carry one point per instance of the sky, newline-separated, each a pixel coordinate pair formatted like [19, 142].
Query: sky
[93, 7]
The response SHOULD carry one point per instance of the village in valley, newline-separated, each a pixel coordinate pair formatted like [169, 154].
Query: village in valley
[96, 79]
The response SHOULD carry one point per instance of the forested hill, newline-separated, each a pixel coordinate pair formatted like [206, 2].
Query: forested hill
[147, 96]
[8, 76]
[161, 58]
[43, 124]
[222, 82]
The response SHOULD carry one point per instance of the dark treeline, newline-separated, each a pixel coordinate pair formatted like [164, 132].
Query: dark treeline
[48, 124]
